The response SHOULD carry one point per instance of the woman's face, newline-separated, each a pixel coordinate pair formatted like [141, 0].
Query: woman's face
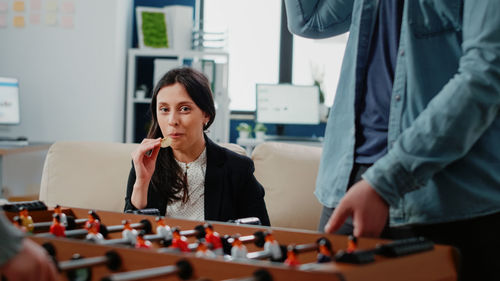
[180, 118]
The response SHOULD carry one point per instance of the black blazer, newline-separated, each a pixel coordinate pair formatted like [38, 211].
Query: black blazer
[231, 190]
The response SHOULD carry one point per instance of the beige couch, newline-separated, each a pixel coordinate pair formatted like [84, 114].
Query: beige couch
[94, 175]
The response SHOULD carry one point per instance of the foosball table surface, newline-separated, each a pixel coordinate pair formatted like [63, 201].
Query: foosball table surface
[438, 263]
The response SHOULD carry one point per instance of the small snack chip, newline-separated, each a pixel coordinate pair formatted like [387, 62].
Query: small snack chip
[165, 142]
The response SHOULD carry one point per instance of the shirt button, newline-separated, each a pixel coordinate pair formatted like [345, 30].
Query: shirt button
[397, 97]
[402, 52]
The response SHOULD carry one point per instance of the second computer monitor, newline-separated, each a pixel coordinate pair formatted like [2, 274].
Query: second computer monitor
[9, 101]
[287, 104]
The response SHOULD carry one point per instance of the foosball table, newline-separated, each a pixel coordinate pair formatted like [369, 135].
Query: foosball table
[136, 247]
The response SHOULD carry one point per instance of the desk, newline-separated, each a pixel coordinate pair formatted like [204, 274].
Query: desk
[250, 143]
[5, 150]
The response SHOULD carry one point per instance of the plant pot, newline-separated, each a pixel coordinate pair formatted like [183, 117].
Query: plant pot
[323, 112]
[140, 94]
[244, 134]
[260, 135]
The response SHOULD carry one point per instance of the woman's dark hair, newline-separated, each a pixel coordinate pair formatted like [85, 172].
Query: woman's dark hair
[168, 178]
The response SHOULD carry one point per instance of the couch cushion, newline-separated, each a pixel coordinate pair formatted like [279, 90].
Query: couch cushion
[90, 175]
[288, 173]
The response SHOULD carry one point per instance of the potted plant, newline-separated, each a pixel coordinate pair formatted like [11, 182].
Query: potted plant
[318, 74]
[140, 93]
[260, 131]
[244, 129]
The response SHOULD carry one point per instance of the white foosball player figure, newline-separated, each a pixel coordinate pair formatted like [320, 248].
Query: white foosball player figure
[163, 229]
[238, 251]
[129, 233]
[94, 234]
[203, 251]
[62, 216]
[272, 246]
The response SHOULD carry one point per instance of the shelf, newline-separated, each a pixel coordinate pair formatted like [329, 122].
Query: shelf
[145, 100]
[172, 52]
[140, 71]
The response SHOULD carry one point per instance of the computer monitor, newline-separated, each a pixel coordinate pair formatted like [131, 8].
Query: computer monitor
[287, 104]
[9, 101]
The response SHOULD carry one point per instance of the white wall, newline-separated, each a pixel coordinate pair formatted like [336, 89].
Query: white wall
[72, 80]
[325, 55]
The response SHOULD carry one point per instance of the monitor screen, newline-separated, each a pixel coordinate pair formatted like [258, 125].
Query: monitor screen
[287, 104]
[9, 101]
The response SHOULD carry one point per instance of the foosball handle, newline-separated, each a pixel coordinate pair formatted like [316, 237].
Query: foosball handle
[404, 247]
[149, 212]
[356, 257]
[248, 221]
[51, 250]
[262, 275]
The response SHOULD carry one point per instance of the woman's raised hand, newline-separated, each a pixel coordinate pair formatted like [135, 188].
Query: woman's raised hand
[144, 158]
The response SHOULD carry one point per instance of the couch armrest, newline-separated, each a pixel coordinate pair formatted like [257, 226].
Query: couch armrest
[288, 173]
[89, 175]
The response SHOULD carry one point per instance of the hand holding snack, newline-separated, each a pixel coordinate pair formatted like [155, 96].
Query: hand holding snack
[144, 158]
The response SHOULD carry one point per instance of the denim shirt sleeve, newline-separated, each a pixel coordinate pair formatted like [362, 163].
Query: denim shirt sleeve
[455, 118]
[318, 18]
[10, 244]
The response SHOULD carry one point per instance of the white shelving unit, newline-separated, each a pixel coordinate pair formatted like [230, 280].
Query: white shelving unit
[218, 75]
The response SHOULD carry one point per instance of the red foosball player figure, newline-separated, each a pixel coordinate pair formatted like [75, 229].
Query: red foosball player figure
[18, 222]
[291, 259]
[163, 229]
[325, 252]
[213, 239]
[238, 250]
[26, 219]
[62, 216]
[272, 246]
[141, 242]
[178, 241]
[57, 228]
[352, 244]
[128, 233]
[93, 221]
[93, 229]
[203, 251]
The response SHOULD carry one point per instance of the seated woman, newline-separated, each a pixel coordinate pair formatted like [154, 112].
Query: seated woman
[194, 178]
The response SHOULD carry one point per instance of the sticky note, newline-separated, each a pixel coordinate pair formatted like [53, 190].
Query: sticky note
[35, 18]
[51, 6]
[36, 5]
[51, 19]
[3, 21]
[3, 6]
[18, 21]
[67, 21]
[68, 7]
[18, 6]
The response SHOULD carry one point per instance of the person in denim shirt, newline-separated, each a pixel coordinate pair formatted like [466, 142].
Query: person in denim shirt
[422, 153]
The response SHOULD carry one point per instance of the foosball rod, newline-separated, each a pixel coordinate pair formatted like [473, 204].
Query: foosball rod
[47, 224]
[111, 259]
[301, 248]
[144, 224]
[150, 237]
[182, 268]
